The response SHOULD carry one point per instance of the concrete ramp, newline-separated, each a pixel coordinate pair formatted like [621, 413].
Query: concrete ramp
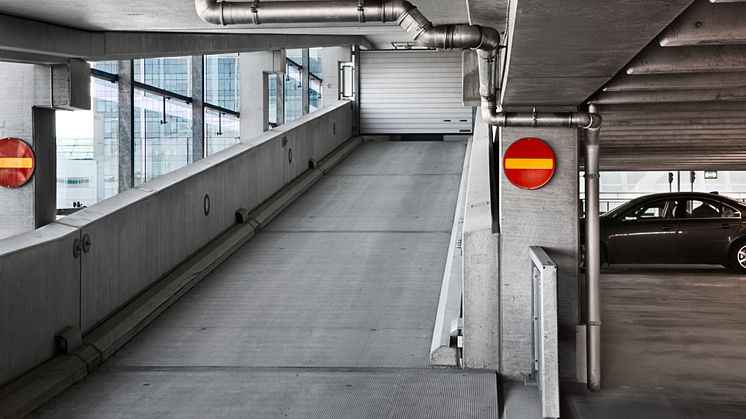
[327, 312]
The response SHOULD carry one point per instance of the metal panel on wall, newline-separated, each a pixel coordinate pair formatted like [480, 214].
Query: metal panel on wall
[412, 92]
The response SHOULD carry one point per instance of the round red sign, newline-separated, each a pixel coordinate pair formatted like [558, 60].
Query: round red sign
[16, 162]
[529, 163]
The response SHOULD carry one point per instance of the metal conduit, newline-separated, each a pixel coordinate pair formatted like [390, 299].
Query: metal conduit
[485, 41]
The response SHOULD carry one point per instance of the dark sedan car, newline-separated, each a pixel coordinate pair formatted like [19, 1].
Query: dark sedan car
[676, 228]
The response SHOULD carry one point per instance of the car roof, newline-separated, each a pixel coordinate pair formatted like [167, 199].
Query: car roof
[704, 195]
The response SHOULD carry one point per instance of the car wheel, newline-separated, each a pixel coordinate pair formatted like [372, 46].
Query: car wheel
[738, 257]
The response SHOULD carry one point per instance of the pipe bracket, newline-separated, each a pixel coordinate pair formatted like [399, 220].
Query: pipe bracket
[255, 12]
[361, 10]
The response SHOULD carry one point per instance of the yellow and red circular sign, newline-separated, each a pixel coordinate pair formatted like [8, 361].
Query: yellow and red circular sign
[529, 163]
[16, 162]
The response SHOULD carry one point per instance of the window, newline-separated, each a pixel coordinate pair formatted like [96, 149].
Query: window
[696, 208]
[315, 63]
[163, 135]
[293, 91]
[652, 211]
[88, 146]
[222, 130]
[171, 74]
[222, 82]
[272, 81]
[222, 127]
[314, 94]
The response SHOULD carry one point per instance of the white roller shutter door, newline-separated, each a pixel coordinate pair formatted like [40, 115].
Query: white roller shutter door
[412, 92]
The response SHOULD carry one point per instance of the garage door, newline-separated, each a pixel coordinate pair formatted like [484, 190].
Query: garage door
[412, 92]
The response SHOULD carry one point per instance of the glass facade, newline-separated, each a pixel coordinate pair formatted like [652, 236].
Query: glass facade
[221, 81]
[272, 81]
[222, 130]
[314, 94]
[162, 134]
[162, 116]
[171, 74]
[88, 149]
[314, 62]
[293, 92]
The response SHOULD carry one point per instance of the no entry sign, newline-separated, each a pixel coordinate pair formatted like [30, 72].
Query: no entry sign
[16, 162]
[529, 163]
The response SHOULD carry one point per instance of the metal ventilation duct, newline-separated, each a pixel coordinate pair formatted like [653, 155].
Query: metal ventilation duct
[482, 39]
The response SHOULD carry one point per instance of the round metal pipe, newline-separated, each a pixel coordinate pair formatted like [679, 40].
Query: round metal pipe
[483, 39]
[593, 258]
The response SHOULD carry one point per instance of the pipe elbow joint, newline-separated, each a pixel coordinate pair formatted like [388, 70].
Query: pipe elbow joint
[490, 40]
[209, 11]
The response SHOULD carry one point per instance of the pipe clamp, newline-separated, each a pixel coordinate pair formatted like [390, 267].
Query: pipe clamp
[255, 12]
[361, 10]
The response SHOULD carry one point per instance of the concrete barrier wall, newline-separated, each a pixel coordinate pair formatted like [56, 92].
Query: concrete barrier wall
[142, 234]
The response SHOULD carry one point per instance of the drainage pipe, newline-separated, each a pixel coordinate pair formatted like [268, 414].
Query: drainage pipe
[485, 41]
[593, 258]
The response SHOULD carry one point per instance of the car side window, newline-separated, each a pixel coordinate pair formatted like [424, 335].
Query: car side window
[652, 211]
[698, 208]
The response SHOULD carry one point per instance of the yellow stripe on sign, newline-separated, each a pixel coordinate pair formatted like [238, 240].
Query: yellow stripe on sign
[529, 164]
[16, 163]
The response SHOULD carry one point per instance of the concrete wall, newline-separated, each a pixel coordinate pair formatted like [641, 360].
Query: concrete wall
[25, 114]
[545, 217]
[142, 234]
[330, 59]
[480, 274]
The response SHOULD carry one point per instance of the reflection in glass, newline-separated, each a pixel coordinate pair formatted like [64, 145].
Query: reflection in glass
[314, 94]
[172, 74]
[88, 149]
[221, 130]
[293, 93]
[163, 141]
[314, 62]
[221, 81]
[272, 99]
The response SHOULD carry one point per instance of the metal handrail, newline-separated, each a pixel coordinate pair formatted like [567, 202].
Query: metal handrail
[545, 363]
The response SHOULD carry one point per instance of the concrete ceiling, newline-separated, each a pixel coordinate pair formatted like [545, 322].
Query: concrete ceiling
[179, 16]
[681, 102]
[560, 53]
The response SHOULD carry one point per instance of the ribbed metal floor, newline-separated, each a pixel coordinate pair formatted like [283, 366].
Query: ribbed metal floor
[327, 313]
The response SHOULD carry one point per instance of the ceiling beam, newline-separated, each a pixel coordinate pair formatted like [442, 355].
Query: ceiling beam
[687, 81]
[616, 120]
[672, 96]
[705, 23]
[656, 59]
[26, 40]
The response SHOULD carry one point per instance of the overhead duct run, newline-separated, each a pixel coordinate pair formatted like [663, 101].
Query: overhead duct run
[485, 41]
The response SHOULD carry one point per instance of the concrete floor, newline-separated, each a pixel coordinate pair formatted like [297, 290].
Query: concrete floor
[326, 313]
[673, 345]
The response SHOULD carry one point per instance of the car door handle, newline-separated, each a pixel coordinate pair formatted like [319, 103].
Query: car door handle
[725, 226]
[665, 228]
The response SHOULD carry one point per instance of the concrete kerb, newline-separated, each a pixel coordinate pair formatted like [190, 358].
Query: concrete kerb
[449, 304]
[35, 388]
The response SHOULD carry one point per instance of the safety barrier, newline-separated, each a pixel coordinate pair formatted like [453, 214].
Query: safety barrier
[79, 271]
[545, 365]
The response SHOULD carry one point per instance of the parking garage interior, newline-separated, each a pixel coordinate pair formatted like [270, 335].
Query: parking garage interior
[303, 210]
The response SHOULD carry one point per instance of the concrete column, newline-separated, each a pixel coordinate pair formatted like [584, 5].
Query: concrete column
[254, 67]
[198, 107]
[25, 113]
[305, 80]
[126, 125]
[330, 59]
[546, 217]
